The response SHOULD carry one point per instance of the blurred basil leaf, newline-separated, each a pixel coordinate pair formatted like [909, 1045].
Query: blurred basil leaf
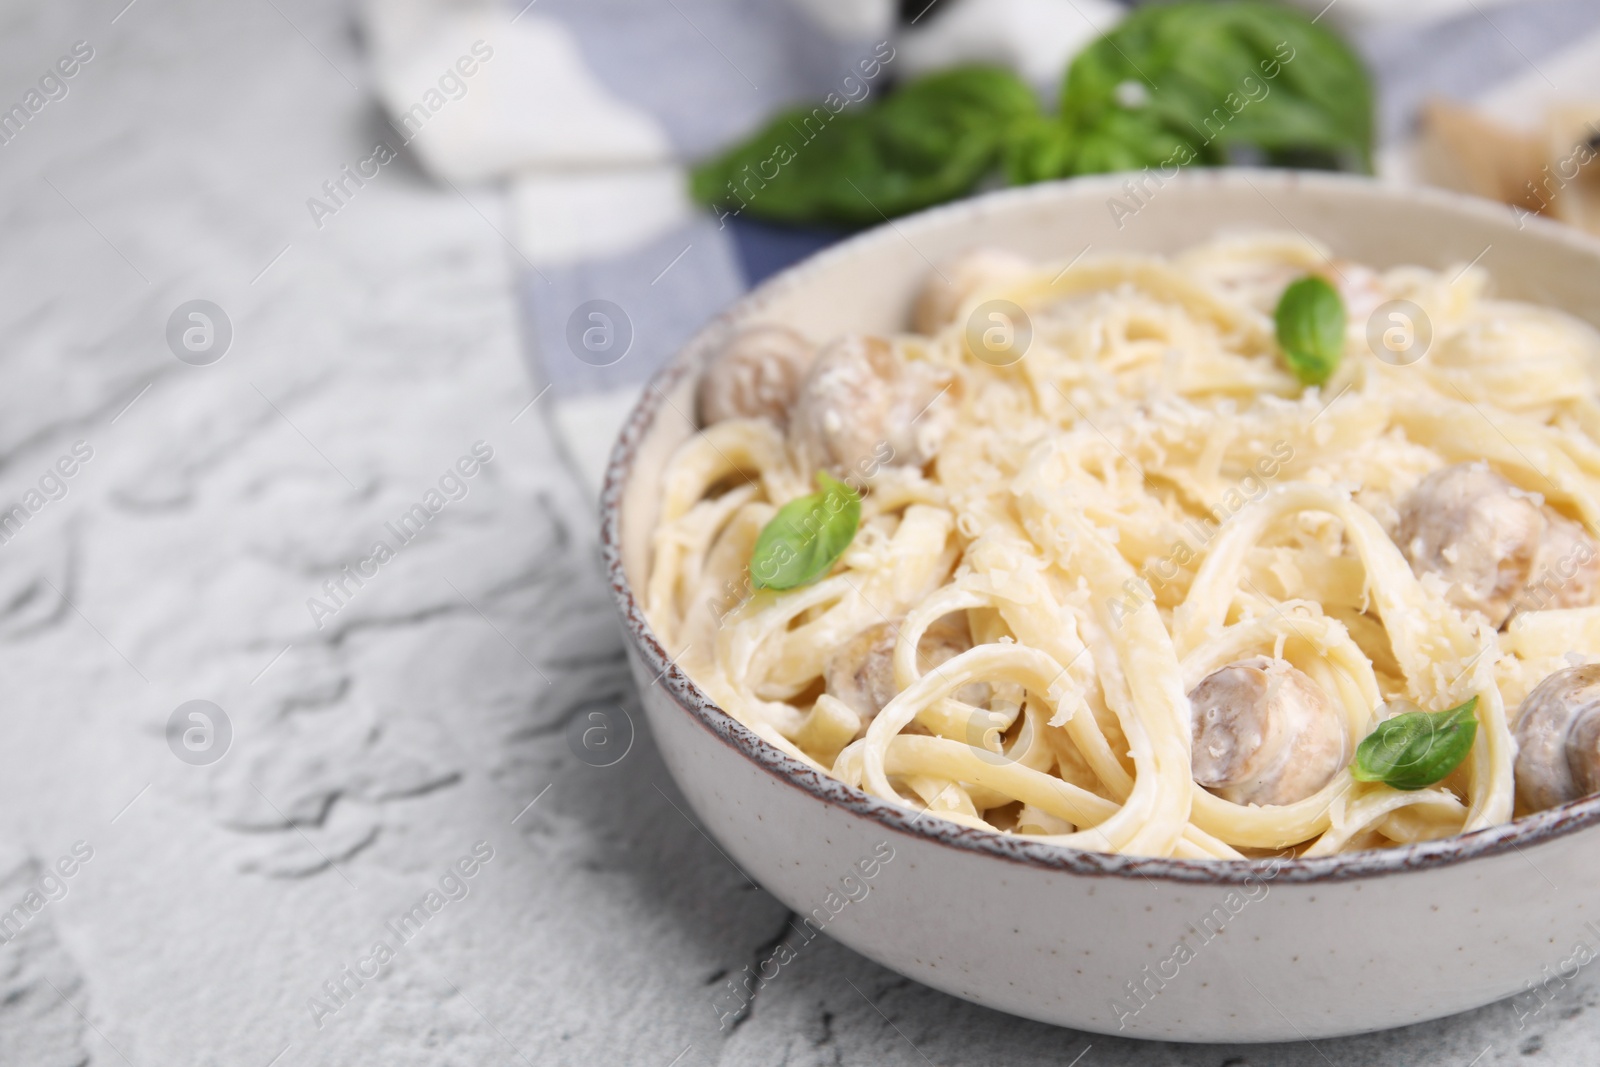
[1173, 85]
[930, 141]
[1218, 77]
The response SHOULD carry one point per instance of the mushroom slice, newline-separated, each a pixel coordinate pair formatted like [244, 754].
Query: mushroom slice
[1500, 550]
[1264, 733]
[864, 406]
[861, 674]
[1558, 739]
[956, 280]
[755, 374]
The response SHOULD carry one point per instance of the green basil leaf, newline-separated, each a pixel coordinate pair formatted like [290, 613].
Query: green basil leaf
[1310, 319]
[1417, 749]
[1219, 77]
[1180, 84]
[1124, 140]
[806, 536]
[1037, 150]
[931, 140]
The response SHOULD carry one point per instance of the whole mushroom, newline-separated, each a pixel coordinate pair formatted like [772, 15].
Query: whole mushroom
[1565, 571]
[1264, 733]
[1496, 546]
[1558, 739]
[755, 374]
[864, 406]
[861, 673]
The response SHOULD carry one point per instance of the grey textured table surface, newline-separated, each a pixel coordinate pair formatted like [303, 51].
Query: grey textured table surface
[213, 910]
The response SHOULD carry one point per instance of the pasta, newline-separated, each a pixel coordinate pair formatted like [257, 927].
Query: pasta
[1093, 578]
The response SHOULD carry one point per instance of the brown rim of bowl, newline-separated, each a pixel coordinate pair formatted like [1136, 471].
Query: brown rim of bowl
[1534, 829]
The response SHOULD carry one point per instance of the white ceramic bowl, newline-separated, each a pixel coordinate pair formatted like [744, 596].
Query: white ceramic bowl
[1310, 948]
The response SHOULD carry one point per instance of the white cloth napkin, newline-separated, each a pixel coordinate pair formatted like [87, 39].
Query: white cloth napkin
[529, 102]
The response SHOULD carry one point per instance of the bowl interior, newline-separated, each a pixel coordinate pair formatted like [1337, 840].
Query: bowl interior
[869, 282]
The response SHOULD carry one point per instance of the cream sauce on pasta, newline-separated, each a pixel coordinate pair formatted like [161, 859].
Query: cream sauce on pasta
[1146, 496]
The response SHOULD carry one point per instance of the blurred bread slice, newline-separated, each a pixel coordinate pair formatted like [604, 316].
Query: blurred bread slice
[1461, 149]
[1571, 180]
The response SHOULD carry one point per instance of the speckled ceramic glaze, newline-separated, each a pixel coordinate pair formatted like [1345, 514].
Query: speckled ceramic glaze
[1157, 948]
